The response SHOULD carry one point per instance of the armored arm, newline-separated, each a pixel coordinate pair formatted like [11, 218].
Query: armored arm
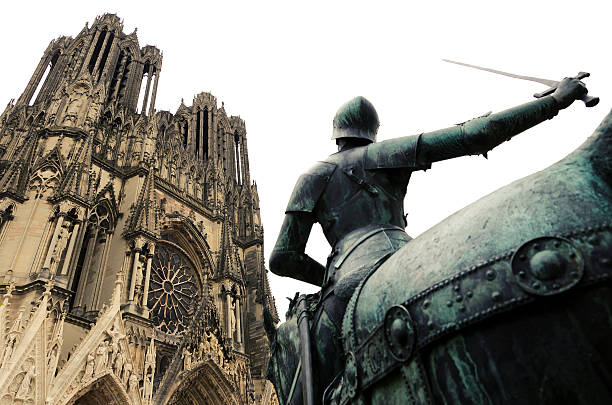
[288, 258]
[480, 135]
[474, 137]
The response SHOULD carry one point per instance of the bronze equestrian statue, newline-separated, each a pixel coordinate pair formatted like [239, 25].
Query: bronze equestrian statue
[369, 345]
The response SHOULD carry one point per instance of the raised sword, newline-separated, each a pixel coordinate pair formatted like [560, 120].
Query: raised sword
[589, 101]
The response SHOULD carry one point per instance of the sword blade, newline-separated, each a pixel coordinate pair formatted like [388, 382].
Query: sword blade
[550, 83]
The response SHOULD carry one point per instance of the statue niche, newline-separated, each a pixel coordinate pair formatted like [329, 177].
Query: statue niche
[77, 99]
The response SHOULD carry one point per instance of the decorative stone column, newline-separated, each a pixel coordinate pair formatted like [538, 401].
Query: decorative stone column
[228, 301]
[58, 226]
[238, 322]
[73, 237]
[145, 295]
[134, 269]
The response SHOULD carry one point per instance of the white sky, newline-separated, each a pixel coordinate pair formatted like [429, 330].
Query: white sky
[285, 67]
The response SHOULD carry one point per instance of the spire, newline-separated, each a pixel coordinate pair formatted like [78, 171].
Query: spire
[77, 182]
[263, 292]
[142, 219]
[14, 181]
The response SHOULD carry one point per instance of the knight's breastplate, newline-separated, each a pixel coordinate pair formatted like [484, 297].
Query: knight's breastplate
[355, 197]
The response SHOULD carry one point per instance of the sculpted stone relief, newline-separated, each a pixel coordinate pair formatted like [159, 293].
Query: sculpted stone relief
[85, 119]
[76, 101]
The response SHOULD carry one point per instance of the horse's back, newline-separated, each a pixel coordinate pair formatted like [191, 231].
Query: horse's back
[505, 301]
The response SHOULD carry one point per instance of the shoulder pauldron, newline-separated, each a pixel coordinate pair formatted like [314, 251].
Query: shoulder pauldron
[393, 154]
[309, 187]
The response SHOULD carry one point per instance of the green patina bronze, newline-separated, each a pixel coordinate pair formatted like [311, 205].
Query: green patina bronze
[506, 301]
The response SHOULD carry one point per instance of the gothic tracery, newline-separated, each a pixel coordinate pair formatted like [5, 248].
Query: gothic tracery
[130, 239]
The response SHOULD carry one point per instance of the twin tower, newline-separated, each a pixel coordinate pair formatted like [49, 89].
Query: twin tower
[131, 245]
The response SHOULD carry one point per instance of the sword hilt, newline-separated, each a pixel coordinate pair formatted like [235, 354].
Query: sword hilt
[589, 101]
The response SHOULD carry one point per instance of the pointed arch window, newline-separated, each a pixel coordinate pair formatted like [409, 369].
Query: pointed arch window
[197, 136]
[96, 51]
[44, 78]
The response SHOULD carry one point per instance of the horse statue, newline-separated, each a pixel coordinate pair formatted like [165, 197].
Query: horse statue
[506, 301]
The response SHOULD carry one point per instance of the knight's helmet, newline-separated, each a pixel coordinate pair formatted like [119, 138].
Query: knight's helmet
[356, 119]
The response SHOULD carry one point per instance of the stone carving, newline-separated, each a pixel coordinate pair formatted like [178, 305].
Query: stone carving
[101, 357]
[232, 313]
[24, 387]
[75, 103]
[62, 242]
[101, 144]
[127, 372]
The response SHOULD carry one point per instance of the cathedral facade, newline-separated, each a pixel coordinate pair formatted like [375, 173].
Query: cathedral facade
[131, 245]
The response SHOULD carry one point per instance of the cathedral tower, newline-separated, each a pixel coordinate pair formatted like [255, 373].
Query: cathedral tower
[131, 246]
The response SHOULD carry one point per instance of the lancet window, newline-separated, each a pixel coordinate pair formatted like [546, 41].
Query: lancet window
[92, 256]
[45, 76]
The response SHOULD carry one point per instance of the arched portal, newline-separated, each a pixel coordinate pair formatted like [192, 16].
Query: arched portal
[204, 384]
[103, 391]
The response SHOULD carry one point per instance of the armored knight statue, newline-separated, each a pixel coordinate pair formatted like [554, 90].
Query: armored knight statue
[357, 196]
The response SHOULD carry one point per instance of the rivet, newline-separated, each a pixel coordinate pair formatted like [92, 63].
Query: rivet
[547, 265]
[459, 298]
[572, 255]
[469, 294]
[449, 303]
[522, 274]
[536, 246]
[522, 257]
[556, 244]
[400, 332]
[574, 274]
[430, 325]
[535, 285]
[496, 296]
[426, 303]
[456, 288]
[490, 275]
[462, 308]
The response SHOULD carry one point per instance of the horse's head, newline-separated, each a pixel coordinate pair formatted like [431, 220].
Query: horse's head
[283, 366]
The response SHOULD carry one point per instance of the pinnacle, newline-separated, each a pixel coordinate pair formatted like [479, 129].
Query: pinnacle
[143, 213]
[76, 183]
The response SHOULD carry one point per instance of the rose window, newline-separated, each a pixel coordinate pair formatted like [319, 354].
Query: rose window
[172, 290]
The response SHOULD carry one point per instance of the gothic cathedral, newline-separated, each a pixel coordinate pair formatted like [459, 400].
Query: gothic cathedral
[131, 245]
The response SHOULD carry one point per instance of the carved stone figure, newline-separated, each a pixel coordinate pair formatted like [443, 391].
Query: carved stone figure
[132, 388]
[138, 289]
[101, 357]
[118, 364]
[357, 196]
[186, 359]
[73, 108]
[8, 350]
[232, 328]
[62, 241]
[89, 367]
[24, 387]
[127, 371]
[76, 143]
